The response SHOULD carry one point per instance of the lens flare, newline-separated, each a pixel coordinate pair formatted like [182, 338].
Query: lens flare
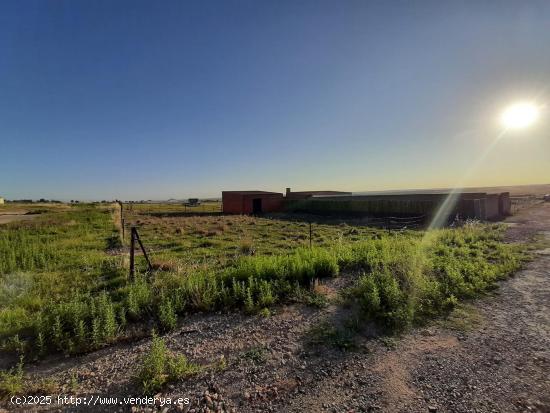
[519, 115]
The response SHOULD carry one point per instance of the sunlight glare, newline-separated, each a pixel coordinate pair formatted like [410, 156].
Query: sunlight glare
[519, 115]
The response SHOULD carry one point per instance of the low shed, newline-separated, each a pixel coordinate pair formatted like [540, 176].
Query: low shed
[251, 202]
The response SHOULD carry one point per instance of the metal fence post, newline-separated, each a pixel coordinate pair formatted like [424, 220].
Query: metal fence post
[150, 267]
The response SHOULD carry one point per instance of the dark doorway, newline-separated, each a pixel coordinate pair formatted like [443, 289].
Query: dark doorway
[257, 206]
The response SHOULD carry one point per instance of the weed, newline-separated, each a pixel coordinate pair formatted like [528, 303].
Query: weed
[256, 355]
[409, 281]
[246, 246]
[164, 265]
[325, 333]
[73, 382]
[464, 317]
[264, 312]
[159, 367]
[46, 386]
[388, 342]
[11, 381]
[166, 314]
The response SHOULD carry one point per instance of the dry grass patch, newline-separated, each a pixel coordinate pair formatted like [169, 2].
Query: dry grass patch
[164, 265]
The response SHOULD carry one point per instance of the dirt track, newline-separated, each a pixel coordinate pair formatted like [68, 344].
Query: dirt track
[500, 364]
[16, 216]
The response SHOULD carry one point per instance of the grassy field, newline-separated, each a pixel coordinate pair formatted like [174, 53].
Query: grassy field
[174, 209]
[64, 284]
[182, 241]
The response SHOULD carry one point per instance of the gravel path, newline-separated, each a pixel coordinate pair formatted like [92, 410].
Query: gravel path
[494, 357]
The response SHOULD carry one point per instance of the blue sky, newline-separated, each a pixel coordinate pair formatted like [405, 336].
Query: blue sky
[152, 100]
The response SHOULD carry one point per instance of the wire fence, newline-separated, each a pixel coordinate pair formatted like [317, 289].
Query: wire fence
[398, 223]
[131, 239]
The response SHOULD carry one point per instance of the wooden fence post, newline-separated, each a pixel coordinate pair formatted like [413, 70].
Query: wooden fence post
[132, 258]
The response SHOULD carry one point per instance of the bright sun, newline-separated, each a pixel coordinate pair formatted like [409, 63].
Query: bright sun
[519, 115]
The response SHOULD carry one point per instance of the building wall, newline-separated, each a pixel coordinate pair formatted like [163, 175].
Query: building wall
[492, 207]
[504, 204]
[270, 203]
[1, 201]
[479, 205]
[232, 203]
[239, 203]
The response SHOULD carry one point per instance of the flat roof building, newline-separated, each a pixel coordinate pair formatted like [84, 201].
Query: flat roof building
[479, 205]
[309, 194]
[251, 202]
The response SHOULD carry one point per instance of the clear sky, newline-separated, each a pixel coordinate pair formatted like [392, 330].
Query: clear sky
[159, 99]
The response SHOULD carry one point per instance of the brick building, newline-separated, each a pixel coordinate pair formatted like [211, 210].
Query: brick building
[251, 202]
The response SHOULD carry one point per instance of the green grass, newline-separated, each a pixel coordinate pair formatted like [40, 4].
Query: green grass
[173, 209]
[64, 287]
[188, 242]
[464, 317]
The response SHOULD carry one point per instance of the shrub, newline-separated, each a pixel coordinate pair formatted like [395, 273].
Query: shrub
[409, 280]
[166, 314]
[11, 381]
[369, 298]
[159, 366]
[114, 241]
[105, 313]
[138, 298]
[265, 294]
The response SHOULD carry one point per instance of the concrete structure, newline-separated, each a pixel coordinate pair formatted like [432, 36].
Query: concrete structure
[1, 201]
[478, 205]
[504, 204]
[309, 194]
[251, 202]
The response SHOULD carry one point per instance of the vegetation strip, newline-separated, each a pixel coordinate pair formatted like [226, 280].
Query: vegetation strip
[62, 292]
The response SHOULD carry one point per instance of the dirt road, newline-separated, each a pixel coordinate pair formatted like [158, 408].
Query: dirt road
[6, 218]
[494, 356]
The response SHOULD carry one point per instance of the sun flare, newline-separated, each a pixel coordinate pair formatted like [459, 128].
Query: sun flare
[519, 115]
